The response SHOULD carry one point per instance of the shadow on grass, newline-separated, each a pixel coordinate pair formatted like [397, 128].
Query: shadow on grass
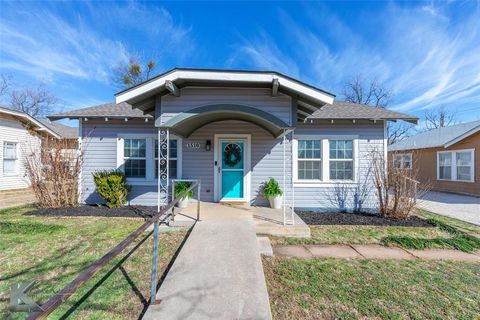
[135, 289]
[459, 240]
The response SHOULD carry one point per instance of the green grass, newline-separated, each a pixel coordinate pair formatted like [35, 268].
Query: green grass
[52, 251]
[459, 240]
[450, 221]
[372, 289]
[360, 234]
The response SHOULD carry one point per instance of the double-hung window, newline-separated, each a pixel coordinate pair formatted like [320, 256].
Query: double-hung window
[402, 161]
[135, 158]
[9, 157]
[341, 159]
[455, 165]
[173, 159]
[309, 159]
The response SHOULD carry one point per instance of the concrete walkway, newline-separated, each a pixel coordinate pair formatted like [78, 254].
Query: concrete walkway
[218, 274]
[457, 206]
[371, 251]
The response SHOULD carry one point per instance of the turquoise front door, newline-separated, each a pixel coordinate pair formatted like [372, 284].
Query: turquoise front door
[232, 169]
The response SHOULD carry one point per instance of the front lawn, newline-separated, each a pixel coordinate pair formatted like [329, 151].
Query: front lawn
[52, 251]
[386, 289]
[433, 231]
[359, 234]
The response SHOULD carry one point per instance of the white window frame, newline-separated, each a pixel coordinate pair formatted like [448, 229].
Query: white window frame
[325, 160]
[15, 160]
[402, 163]
[454, 164]
[150, 178]
[309, 159]
[178, 157]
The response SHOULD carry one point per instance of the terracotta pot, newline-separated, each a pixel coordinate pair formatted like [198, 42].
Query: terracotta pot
[276, 202]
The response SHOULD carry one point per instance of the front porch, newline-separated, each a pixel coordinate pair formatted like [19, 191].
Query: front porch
[267, 221]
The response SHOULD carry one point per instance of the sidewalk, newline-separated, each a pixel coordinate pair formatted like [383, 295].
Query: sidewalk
[372, 251]
[218, 273]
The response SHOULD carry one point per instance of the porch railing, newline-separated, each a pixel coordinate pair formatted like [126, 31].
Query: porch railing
[88, 273]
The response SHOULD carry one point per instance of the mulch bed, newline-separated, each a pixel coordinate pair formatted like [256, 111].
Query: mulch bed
[97, 211]
[334, 218]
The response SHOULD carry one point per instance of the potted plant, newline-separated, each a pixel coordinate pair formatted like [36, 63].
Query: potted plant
[272, 192]
[180, 189]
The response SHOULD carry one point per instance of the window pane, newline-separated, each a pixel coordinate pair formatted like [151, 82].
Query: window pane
[8, 166]
[135, 148]
[309, 149]
[464, 158]
[445, 159]
[464, 173]
[445, 172]
[309, 170]
[341, 149]
[135, 168]
[341, 170]
[397, 162]
[10, 150]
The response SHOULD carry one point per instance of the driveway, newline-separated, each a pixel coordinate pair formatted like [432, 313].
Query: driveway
[457, 206]
[218, 274]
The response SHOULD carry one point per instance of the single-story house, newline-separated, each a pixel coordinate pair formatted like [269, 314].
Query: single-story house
[232, 130]
[444, 159]
[20, 135]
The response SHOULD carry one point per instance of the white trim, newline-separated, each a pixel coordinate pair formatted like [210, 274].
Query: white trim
[325, 160]
[149, 179]
[27, 117]
[225, 76]
[402, 163]
[453, 166]
[247, 167]
[462, 136]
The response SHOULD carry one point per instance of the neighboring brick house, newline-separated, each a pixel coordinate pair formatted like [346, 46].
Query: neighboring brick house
[446, 159]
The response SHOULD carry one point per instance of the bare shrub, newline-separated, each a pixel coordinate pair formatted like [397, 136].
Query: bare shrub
[361, 191]
[338, 196]
[397, 188]
[54, 170]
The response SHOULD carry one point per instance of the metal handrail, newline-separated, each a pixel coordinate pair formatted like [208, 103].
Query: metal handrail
[88, 273]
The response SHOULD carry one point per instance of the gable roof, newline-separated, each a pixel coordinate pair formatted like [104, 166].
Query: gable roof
[337, 110]
[440, 137]
[64, 131]
[25, 117]
[234, 77]
[107, 110]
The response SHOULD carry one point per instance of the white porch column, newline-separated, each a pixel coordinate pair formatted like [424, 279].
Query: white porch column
[163, 160]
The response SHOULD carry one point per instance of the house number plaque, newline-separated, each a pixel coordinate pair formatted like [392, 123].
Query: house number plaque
[193, 145]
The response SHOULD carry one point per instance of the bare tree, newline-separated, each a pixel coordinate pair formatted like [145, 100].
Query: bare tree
[438, 118]
[371, 93]
[37, 102]
[374, 93]
[129, 74]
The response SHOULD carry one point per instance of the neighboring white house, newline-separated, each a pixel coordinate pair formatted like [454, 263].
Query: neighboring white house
[17, 142]
[232, 130]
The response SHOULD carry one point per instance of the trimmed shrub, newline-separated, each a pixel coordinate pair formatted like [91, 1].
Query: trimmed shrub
[112, 186]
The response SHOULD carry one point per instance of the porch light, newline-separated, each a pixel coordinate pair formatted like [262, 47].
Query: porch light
[208, 145]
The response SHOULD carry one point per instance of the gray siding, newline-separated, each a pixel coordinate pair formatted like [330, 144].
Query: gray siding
[99, 143]
[266, 157]
[371, 136]
[279, 106]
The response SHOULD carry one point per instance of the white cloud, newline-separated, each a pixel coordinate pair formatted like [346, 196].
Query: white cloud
[45, 45]
[428, 58]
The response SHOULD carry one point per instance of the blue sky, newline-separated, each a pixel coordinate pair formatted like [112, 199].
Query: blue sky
[428, 53]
